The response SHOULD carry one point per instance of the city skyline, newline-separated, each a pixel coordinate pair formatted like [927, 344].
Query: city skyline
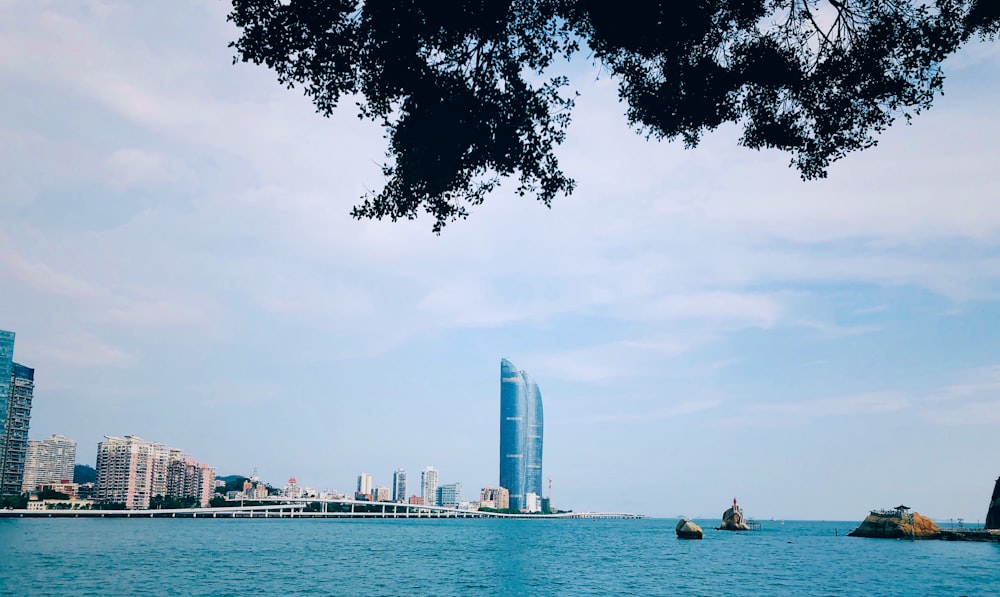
[179, 261]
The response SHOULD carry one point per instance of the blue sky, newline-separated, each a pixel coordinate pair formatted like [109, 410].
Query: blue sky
[177, 259]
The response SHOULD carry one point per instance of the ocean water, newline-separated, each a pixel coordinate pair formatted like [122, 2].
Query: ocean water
[475, 557]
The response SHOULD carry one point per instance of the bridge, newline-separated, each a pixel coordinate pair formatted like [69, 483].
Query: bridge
[296, 508]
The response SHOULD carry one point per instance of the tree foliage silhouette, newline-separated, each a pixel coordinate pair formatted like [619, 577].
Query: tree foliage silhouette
[466, 94]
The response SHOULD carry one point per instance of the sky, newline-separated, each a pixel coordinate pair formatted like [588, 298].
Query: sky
[178, 261]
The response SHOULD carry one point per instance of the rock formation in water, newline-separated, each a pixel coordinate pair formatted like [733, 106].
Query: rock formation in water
[732, 519]
[993, 514]
[688, 530]
[896, 524]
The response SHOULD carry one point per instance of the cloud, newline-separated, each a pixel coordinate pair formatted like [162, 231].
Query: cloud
[805, 410]
[131, 166]
[672, 411]
[78, 348]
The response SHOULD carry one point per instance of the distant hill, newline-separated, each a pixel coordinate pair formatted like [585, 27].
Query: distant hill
[84, 474]
[233, 482]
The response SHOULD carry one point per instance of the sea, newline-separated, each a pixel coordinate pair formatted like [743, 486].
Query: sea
[256, 557]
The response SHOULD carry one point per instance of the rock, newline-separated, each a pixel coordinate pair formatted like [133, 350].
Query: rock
[732, 520]
[993, 513]
[688, 530]
[896, 524]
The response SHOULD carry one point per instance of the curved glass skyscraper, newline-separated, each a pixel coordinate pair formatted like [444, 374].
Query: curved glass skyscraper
[521, 432]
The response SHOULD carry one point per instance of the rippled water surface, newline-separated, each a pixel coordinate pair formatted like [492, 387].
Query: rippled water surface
[468, 557]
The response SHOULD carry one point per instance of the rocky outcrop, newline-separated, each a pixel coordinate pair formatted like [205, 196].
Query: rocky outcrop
[733, 520]
[993, 513]
[688, 530]
[892, 524]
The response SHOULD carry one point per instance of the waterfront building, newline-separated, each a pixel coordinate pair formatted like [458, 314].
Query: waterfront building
[71, 489]
[449, 495]
[47, 461]
[129, 471]
[14, 439]
[416, 500]
[521, 434]
[188, 478]
[399, 486]
[531, 502]
[365, 483]
[292, 489]
[382, 494]
[494, 497]
[6, 368]
[428, 486]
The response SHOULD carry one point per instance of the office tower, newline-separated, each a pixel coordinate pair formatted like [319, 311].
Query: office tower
[130, 471]
[449, 495]
[399, 486]
[521, 433]
[48, 461]
[6, 368]
[381, 494]
[428, 486]
[14, 443]
[365, 483]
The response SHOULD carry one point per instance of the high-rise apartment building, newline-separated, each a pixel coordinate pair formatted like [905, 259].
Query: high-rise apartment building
[428, 486]
[365, 484]
[521, 433]
[399, 486]
[50, 460]
[188, 478]
[17, 386]
[494, 497]
[131, 471]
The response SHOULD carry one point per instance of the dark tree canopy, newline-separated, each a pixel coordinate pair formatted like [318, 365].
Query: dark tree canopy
[466, 92]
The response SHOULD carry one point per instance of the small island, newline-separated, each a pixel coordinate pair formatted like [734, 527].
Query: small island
[896, 523]
[733, 520]
[900, 523]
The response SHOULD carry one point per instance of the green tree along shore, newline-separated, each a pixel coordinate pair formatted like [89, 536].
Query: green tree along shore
[469, 92]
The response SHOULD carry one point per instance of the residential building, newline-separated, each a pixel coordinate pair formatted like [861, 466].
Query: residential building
[494, 497]
[428, 486]
[365, 483]
[129, 471]
[521, 434]
[364, 491]
[47, 461]
[399, 486]
[415, 500]
[188, 478]
[449, 495]
[382, 494]
[14, 441]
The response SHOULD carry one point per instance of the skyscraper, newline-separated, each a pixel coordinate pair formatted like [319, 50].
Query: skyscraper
[365, 484]
[14, 440]
[429, 485]
[521, 433]
[399, 486]
[48, 461]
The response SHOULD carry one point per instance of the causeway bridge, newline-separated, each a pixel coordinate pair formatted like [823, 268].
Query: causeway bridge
[296, 508]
